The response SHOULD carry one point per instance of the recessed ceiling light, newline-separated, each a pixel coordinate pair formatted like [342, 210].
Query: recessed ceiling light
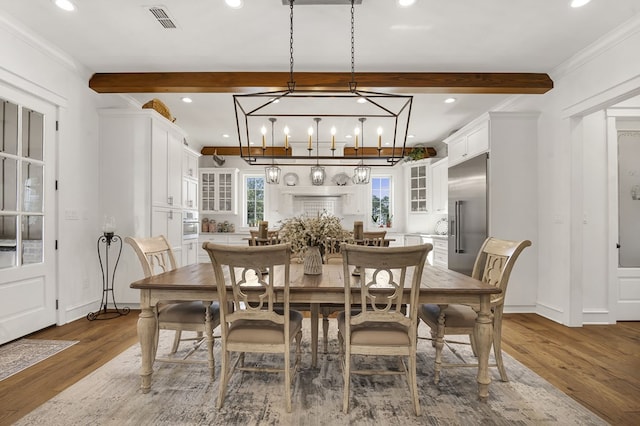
[410, 136]
[449, 100]
[348, 136]
[234, 4]
[225, 135]
[65, 5]
[187, 100]
[362, 100]
[579, 3]
[405, 3]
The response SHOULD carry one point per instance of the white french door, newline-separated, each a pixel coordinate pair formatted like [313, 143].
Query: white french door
[27, 213]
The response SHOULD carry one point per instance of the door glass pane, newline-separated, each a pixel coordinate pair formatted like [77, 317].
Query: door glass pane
[8, 127]
[9, 188]
[31, 239]
[32, 134]
[8, 226]
[629, 198]
[32, 187]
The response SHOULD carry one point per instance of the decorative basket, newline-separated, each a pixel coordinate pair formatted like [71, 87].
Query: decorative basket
[160, 107]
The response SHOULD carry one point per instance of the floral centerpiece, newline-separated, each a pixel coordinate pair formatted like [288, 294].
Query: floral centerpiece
[303, 231]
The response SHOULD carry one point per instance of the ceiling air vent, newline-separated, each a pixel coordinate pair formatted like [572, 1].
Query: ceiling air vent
[162, 16]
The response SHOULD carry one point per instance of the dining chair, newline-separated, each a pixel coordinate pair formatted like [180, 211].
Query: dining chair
[255, 324]
[373, 323]
[493, 265]
[156, 256]
[374, 238]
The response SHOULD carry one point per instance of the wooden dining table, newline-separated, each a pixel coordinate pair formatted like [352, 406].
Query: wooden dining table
[197, 282]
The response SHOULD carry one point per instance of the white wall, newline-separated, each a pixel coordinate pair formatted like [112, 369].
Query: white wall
[572, 164]
[29, 65]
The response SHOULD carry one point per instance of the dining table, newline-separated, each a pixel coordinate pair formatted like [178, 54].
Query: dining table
[197, 282]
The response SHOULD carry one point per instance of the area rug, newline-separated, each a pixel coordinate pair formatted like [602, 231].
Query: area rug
[23, 353]
[184, 394]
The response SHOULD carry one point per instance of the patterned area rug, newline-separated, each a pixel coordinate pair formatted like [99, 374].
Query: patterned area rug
[23, 353]
[183, 394]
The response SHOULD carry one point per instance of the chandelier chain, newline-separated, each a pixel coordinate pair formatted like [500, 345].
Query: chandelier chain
[352, 85]
[292, 83]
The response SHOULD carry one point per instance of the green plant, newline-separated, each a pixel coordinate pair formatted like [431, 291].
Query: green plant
[416, 153]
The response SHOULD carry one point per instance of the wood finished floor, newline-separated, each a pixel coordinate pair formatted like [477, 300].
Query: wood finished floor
[598, 366]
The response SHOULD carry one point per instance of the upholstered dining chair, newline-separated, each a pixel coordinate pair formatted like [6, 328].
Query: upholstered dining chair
[374, 324]
[156, 256]
[493, 265]
[255, 324]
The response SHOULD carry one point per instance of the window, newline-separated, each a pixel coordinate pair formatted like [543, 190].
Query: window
[381, 206]
[254, 199]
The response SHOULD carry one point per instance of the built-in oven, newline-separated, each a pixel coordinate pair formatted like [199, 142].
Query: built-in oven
[190, 225]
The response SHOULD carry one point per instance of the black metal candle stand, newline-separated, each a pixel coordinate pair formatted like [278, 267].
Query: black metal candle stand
[104, 245]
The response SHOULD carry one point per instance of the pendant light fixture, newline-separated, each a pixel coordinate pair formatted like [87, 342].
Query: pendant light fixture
[296, 106]
[362, 173]
[272, 173]
[317, 171]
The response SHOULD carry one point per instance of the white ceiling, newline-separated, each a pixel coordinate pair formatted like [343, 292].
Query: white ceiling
[430, 36]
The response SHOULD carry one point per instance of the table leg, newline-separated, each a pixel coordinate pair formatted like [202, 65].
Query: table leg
[483, 333]
[315, 314]
[146, 334]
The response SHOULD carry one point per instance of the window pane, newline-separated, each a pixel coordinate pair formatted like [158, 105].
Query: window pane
[31, 239]
[32, 134]
[32, 187]
[8, 233]
[9, 127]
[254, 200]
[9, 189]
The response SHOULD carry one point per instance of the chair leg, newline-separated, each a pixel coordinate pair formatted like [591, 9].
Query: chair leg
[176, 341]
[413, 385]
[315, 309]
[287, 380]
[346, 379]
[325, 330]
[439, 345]
[472, 340]
[497, 345]
[224, 377]
[209, 331]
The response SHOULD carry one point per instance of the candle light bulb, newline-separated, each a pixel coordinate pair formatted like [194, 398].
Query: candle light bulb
[333, 137]
[356, 131]
[286, 137]
[310, 131]
[379, 137]
[263, 130]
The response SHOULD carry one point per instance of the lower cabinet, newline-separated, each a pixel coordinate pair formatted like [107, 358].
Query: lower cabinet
[440, 252]
[189, 252]
[233, 239]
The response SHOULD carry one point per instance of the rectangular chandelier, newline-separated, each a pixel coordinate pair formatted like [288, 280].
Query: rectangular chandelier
[356, 127]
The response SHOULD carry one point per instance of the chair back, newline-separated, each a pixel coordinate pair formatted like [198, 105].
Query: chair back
[494, 263]
[155, 254]
[374, 238]
[384, 274]
[331, 248]
[251, 273]
[272, 238]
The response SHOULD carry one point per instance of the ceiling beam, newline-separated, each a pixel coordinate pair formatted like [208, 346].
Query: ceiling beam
[400, 82]
[280, 152]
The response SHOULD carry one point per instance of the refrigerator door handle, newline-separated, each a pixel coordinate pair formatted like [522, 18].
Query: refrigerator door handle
[458, 217]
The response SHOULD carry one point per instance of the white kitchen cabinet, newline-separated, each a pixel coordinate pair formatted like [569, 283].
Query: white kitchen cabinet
[138, 150]
[464, 145]
[218, 189]
[440, 185]
[190, 252]
[440, 252]
[166, 170]
[189, 194]
[230, 238]
[190, 163]
[418, 183]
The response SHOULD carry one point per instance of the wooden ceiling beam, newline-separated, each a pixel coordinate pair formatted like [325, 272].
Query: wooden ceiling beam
[246, 82]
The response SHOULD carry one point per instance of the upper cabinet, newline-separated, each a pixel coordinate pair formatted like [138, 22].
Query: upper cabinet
[468, 145]
[189, 179]
[440, 186]
[418, 176]
[218, 190]
[166, 170]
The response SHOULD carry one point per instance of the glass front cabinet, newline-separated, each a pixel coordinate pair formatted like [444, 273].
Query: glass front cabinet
[418, 189]
[218, 190]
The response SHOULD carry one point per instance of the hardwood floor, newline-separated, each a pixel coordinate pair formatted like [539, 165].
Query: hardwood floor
[598, 366]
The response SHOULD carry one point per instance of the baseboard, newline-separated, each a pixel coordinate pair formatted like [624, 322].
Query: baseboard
[519, 309]
[550, 312]
[597, 317]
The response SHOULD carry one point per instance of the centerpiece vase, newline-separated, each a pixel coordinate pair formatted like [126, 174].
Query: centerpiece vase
[313, 261]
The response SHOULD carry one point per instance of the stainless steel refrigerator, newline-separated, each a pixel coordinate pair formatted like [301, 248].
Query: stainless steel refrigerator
[467, 212]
